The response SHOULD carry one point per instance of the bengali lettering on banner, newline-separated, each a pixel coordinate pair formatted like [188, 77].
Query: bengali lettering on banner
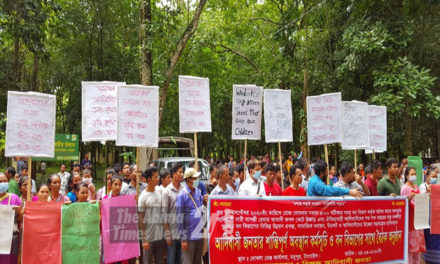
[354, 125]
[7, 215]
[377, 126]
[324, 119]
[194, 105]
[277, 116]
[120, 232]
[99, 110]
[247, 101]
[138, 116]
[30, 124]
[307, 230]
[80, 233]
[42, 233]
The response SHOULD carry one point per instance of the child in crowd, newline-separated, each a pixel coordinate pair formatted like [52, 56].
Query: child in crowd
[87, 179]
[115, 187]
[82, 190]
[43, 193]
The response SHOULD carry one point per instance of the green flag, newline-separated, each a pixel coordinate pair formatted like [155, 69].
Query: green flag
[80, 233]
[417, 162]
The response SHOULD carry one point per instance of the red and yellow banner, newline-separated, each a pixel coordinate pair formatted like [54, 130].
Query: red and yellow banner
[307, 230]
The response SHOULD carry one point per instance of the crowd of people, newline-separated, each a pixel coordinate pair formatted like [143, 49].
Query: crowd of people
[178, 198]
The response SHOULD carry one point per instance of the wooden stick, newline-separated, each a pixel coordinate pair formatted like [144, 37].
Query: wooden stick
[196, 159]
[245, 155]
[138, 172]
[374, 154]
[355, 160]
[29, 187]
[326, 161]
[281, 165]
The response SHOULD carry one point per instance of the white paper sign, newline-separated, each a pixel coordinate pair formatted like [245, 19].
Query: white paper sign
[138, 116]
[370, 151]
[99, 110]
[30, 126]
[194, 105]
[421, 211]
[277, 116]
[354, 125]
[324, 119]
[7, 215]
[377, 123]
[247, 101]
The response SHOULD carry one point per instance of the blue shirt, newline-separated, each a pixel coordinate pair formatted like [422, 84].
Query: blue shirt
[72, 197]
[189, 218]
[318, 188]
[202, 188]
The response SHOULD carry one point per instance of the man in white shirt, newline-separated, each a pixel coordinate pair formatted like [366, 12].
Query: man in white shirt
[254, 185]
[64, 176]
[223, 187]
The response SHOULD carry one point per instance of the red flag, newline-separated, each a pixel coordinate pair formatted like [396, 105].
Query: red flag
[435, 209]
[42, 233]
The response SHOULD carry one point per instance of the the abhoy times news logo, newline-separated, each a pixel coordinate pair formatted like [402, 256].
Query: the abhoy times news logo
[123, 225]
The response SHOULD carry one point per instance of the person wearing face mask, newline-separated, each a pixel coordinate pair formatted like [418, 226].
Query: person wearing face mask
[350, 180]
[253, 185]
[234, 179]
[416, 240]
[87, 179]
[431, 178]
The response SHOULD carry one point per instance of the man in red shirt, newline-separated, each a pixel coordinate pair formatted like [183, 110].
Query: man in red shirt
[374, 174]
[294, 189]
[272, 188]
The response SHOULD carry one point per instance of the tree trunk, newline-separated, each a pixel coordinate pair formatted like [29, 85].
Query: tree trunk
[17, 67]
[34, 85]
[145, 41]
[408, 136]
[189, 31]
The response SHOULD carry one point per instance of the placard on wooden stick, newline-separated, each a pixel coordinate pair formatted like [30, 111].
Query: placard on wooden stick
[277, 116]
[247, 101]
[354, 125]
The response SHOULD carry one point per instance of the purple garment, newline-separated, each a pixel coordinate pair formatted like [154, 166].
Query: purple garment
[12, 199]
[189, 218]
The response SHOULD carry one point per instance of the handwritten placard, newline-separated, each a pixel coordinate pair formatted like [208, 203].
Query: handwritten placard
[377, 128]
[277, 116]
[138, 116]
[247, 101]
[324, 119]
[354, 125]
[194, 105]
[99, 110]
[6, 226]
[30, 126]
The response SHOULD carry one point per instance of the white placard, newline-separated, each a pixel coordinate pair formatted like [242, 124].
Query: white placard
[370, 151]
[138, 116]
[194, 105]
[7, 215]
[30, 125]
[377, 124]
[277, 116]
[354, 125]
[247, 101]
[99, 110]
[324, 119]
[421, 211]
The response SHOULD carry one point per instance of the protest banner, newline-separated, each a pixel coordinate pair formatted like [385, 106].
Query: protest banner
[120, 232]
[247, 101]
[7, 215]
[137, 116]
[30, 124]
[80, 233]
[277, 116]
[42, 233]
[421, 211]
[435, 209]
[308, 230]
[354, 125]
[66, 148]
[377, 128]
[99, 113]
[194, 105]
[324, 119]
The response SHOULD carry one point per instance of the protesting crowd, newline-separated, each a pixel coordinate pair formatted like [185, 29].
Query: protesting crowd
[172, 202]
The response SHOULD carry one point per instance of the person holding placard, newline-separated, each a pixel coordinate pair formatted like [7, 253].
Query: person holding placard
[253, 185]
[317, 187]
[10, 199]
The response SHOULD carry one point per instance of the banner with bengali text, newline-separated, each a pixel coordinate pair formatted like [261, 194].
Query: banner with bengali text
[308, 230]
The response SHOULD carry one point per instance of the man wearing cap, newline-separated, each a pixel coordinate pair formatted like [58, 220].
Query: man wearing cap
[189, 219]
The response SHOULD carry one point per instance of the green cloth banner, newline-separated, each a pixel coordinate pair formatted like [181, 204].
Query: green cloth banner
[66, 148]
[417, 162]
[80, 233]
